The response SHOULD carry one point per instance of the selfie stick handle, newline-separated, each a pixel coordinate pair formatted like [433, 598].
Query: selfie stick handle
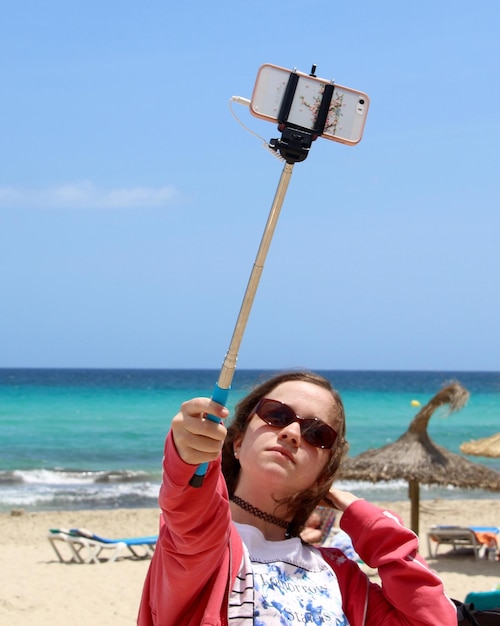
[221, 389]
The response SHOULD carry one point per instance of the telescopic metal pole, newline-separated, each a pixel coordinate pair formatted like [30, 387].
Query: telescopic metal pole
[223, 384]
[229, 365]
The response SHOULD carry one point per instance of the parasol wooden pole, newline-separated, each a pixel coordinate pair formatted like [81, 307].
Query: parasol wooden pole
[414, 494]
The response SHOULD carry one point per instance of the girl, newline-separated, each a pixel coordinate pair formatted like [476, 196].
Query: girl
[230, 552]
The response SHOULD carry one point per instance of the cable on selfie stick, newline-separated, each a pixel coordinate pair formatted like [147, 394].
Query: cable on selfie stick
[293, 146]
[265, 143]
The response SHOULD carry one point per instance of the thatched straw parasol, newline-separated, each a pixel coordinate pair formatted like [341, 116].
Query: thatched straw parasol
[488, 446]
[417, 459]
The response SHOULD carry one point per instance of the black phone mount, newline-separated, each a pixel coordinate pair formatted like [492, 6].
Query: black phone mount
[295, 141]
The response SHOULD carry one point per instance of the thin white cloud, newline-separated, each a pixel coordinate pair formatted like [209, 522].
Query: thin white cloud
[86, 195]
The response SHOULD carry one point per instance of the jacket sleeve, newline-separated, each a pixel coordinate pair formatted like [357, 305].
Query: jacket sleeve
[410, 594]
[192, 545]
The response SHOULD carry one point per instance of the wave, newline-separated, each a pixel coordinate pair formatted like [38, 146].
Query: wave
[395, 490]
[44, 489]
[141, 495]
[56, 489]
[60, 476]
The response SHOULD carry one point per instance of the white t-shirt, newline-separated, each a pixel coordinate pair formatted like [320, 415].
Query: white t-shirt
[281, 583]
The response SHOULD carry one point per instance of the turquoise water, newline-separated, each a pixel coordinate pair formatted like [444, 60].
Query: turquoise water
[93, 438]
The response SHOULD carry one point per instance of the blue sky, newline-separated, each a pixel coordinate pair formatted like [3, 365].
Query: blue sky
[132, 203]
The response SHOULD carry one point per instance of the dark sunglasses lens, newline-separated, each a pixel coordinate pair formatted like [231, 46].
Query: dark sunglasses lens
[318, 434]
[276, 414]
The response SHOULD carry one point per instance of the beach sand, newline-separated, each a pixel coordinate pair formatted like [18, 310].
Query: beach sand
[35, 588]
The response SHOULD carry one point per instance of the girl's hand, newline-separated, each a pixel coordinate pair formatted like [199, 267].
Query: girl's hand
[197, 438]
[311, 535]
[341, 499]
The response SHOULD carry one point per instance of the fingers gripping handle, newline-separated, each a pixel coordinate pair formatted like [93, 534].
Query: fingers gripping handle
[220, 396]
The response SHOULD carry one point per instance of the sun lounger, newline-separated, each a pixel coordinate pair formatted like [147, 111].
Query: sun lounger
[86, 547]
[469, 538]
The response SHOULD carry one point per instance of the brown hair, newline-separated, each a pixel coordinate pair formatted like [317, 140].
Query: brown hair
[302, 504]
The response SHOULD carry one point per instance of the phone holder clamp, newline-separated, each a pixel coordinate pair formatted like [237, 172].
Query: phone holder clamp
[296, 141]
[294, 144]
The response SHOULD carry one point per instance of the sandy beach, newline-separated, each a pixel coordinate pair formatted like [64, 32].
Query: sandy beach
[35, 588]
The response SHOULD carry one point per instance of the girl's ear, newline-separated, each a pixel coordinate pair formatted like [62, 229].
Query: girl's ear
[236, 447]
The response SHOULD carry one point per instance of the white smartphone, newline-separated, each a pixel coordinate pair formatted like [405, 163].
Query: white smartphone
[347, 112]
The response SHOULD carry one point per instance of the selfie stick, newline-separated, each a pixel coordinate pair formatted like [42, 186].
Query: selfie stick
[294, 147]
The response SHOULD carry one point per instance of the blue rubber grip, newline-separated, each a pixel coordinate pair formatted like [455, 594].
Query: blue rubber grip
[220, 396]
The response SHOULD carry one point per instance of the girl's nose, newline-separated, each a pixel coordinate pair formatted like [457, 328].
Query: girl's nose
[291, 434]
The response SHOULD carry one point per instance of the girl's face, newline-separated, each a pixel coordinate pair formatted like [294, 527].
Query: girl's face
[278, 460]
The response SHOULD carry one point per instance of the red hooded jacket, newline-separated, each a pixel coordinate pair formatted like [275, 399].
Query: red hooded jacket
[199, 552]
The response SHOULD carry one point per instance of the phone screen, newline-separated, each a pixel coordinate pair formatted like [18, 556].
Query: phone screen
[346, 115]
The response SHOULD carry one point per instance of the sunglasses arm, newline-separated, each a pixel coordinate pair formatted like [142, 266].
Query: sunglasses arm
[223, 384]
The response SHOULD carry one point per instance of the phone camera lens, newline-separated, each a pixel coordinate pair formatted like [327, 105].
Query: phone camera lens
[361, 101]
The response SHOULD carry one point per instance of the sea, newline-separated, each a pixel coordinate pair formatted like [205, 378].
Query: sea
[75, 439]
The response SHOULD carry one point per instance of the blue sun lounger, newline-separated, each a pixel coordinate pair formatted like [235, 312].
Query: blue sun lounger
[87, 547]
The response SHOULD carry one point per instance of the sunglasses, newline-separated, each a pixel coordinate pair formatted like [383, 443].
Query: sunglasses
[313, 430]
